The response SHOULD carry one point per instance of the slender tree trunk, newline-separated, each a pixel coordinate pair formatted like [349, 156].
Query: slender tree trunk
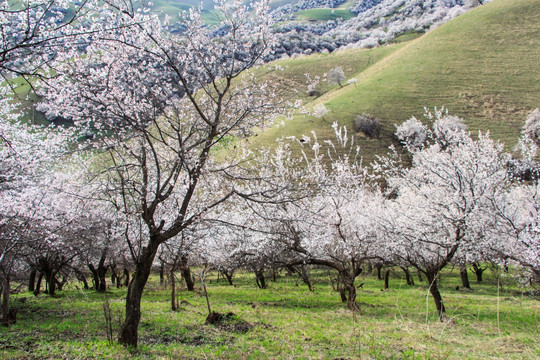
[114, 276]
[419, 276]
[434, 290]
[162, 274]
[173, 290]
[5, 301]
[464, 276]
[126, 274]
[129, 331]
[32, 280]
[38, 284]
[408, 278]
[102, 273]
[386, 278]
[379, 268]
[259, 279]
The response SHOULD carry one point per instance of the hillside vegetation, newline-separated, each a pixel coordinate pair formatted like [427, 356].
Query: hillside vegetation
[482, 66]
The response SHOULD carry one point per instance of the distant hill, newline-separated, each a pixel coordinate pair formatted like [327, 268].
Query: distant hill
[483, 66]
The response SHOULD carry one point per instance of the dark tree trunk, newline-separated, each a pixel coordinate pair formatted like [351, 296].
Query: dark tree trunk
[408, 278]
[464, 276]
[129, 331]
[386, 278]
[186, 273]
[419, 276]
[379, 268]
[5, 301]
[50, 278]
[95, 276]
[32, 280]
[228, 275]
[349, 290]
[478, 271]
[102, 273]
[301, 270]
[434, 290]
[188, 278]
[38, 284]
[126, 274]
[114, 277]
[259, 279]
[162, 274]
[173, 290]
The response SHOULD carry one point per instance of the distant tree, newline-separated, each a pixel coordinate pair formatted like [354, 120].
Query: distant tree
[412, 133]
[532, 125]
[336, 76]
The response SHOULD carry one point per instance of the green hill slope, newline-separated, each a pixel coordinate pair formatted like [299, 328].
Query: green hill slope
[483, 66]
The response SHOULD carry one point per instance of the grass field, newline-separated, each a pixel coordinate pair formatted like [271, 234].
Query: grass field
[314, 15]
[286, 321]
[482, 66]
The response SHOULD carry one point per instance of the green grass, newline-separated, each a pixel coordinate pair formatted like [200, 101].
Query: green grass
[481, 66]
[286, 321]
[314, 15]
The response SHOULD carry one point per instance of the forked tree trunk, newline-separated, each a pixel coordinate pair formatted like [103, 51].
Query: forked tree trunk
[408, 278]
[229, 276]
[464, 276]
[129, 331]
[478, 271]
[259, 279]
[434, 290]
[349, 290]
[38, 284]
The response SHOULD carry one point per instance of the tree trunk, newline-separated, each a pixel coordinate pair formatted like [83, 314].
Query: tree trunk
[32, 280]
[228, 275]
[350, 291]
[464, 276]
[408, 278]
[478, 271]
[50, 278]
[259, 279]
[95, 276]
[186, 274]
[129, 331]
[386, 278]
[173, 290]
[126, 274]
[102, 273]
[114, 277]
[5, 301]
[38, 285]
[434, 290]
[379, 275]
[162, 274]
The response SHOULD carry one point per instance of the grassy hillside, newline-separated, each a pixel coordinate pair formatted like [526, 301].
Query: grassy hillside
[482, 66]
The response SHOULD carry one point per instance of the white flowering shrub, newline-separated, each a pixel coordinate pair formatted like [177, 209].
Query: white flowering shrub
[412, 133]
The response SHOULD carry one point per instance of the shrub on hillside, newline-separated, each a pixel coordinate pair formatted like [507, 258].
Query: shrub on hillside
[369, 125]
[412, 133]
